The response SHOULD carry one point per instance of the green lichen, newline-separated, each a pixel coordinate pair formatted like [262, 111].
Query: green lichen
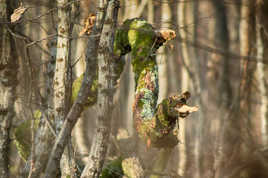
[22, 134]
[141, 37]
[121, 47]
[154, 123]
[121, 44]
[93, 94]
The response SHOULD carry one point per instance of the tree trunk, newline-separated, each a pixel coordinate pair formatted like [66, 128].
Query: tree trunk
[246, 67]
[162, 62]
[263, 87]
[82, 96]
[8, 82]
[107, 81]
[61, 78]
[161, 58]
[185, 85]
[229, 130]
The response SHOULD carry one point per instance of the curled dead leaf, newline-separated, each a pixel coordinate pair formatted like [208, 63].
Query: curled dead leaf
[187, 109]
[88, 24]
[167, 34]
[17, 14]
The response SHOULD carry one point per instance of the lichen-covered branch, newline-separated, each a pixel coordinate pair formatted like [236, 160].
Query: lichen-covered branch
[154, 123]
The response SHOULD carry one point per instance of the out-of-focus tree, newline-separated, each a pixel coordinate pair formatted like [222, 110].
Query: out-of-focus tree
[261, 38]
[185, 84]
[8, 82]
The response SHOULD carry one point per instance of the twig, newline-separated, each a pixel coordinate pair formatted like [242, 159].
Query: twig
[27, 39]
[37, 41]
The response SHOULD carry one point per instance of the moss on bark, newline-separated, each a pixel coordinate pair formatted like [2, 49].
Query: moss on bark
[92, 99]
[153, 123]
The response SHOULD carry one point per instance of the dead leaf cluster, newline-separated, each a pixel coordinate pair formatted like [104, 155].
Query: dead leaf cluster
[18, 14]
[88, 24]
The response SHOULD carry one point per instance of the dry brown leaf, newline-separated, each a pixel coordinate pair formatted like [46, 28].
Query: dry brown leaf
[18, 13]
[88, 24]
[187, 109]
[168, 34]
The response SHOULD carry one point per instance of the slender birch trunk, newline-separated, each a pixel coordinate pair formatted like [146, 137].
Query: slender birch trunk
[80, 132]
[61, 80]
[106, 88]
[8, 82]
[82, 97]
[162, 58]
[62, 76]
[185, 83]
[162, 62]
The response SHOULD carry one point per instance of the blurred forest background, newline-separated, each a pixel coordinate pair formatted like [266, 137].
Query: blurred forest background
[219, 55]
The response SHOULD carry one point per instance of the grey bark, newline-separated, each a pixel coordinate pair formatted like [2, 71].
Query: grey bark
[61, 79]
[83, 94]
[8, 82]
[106, 89]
